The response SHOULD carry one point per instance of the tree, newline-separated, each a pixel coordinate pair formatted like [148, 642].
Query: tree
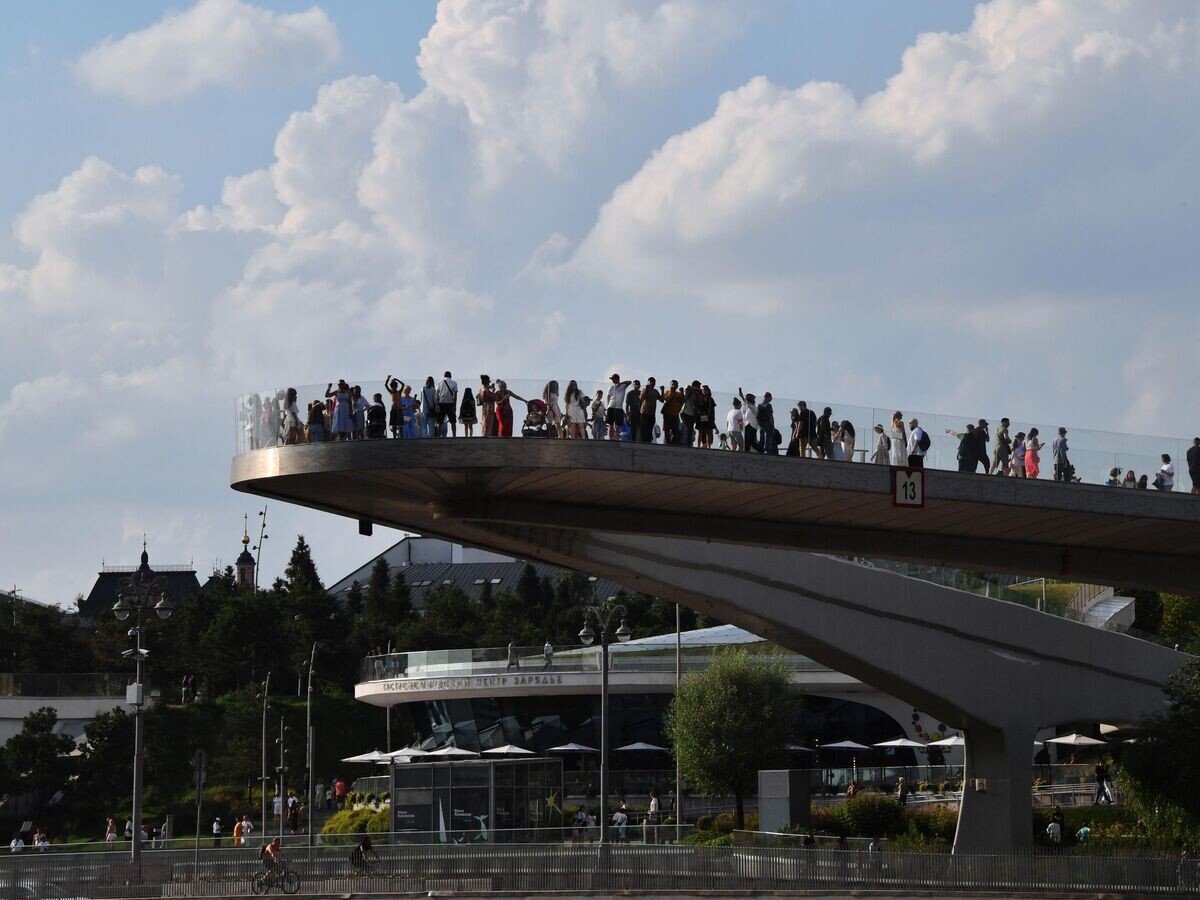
[105, 768]
[1159, 773]
[36, 756]
[731, 720]
[1180, 623]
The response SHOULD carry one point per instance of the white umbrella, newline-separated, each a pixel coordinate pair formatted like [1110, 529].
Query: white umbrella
[1076, 740]
[573, 747]
[453, 751]
[373, 756]
[957, 741]
[900, 742]
[408, 751]
[845, 745]
[795, 747]
[510, 750]
[642, 745]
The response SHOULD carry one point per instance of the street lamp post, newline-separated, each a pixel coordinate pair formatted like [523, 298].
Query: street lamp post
[141, 591]
[282, 770]
[604, 615]
[263, 778]
[308, 747]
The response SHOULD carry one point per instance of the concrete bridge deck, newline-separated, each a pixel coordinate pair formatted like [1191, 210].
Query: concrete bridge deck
[1102, 535]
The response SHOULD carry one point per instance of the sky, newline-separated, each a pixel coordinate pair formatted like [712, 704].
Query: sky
[927, 205]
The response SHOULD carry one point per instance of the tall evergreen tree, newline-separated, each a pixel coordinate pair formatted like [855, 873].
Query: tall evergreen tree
[378, 592]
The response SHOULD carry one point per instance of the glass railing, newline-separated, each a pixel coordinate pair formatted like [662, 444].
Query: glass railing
[70, 684]
[532, 660]
[261, 421]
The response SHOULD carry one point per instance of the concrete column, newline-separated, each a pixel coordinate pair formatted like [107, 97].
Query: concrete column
[996, 816]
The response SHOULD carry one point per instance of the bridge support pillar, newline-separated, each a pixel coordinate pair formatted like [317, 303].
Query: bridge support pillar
[997, 798]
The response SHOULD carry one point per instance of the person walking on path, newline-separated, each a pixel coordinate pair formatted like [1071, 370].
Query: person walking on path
[1033, 459]
[1002, 451]
[806, 428]
[1102, 794]
[1193, 464]
[1018, 455]
[1062, 463]
[918, 445]
[548, 654]
[883, 447]
[216, 832]
[980, 441]
[513, 662]
[902, 791]
[824, 438]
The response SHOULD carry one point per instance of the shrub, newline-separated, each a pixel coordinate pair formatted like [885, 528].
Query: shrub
[825, 820]
[708, 839]
[752, 821]
[724, 823]
[704, 823]
[868, 815]
[933, 822]
[348, 822]
[380, 822]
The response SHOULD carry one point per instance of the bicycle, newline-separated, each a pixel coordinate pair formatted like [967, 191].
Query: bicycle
[278, 877]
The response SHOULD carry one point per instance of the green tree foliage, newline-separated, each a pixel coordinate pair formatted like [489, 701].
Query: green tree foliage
[106, 767]
[1159, 773]
[1180, 622]
[731, 720]
[36, 756]
[39, 638]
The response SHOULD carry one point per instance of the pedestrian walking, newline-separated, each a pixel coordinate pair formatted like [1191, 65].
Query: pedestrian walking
[735, 424]
[1018, 455]
[750, 418]
[806, 428]
[918, 444]
[899, 440]
[883, 447]
[1102, 794]
[824, 443]
[1002, 451]
[513, 662]
[1033, 459]
[548, 654]
[110, 831]
[766, 424]
[1062, 463]
[216, 832]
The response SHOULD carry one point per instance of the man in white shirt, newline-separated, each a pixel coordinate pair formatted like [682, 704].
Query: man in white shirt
[735, 424]
[614, 404]
[916, 445]
[447, 398]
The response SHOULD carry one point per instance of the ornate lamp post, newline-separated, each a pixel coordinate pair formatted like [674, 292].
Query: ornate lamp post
[140, 592]
[604, 615]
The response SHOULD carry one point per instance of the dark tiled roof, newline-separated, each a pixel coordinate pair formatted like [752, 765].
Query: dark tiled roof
[181, 584]
[470, 577]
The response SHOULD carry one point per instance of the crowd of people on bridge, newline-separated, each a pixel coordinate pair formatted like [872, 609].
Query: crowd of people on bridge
[677, 415]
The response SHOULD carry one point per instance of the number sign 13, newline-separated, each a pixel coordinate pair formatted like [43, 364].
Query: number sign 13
[908, 487]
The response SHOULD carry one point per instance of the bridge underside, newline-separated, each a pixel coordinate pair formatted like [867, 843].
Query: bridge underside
[720, 534]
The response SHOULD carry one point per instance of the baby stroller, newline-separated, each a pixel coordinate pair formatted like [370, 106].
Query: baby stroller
[534, 425]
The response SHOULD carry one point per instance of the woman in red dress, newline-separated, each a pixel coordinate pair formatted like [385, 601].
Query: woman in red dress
[504, 412]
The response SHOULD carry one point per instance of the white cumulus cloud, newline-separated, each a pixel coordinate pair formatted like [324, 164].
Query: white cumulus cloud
[224, 43]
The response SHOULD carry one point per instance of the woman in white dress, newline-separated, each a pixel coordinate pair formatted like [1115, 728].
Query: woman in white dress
[899, 454]
[883, 447]
[577, 411]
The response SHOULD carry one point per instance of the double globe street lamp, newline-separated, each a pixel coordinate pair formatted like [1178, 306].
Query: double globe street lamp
[604, 615]
[142, 591]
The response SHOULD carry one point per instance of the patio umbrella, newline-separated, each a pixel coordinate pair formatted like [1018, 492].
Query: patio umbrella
[642, 745]
[1076, 740]
[900, 742]
[453, 751]
[957, 741]
[795, 747]
[404, 754]
[373, 756]
[845, 745]
[509, 750]
[573, 747]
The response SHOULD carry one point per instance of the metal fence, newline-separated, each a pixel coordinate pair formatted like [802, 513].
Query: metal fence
[582, 867]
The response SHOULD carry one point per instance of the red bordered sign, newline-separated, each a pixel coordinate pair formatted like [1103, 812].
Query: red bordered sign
[908, 487]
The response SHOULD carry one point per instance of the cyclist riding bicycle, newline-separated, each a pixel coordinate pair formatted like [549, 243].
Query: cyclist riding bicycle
[271, 854]
[361, 855]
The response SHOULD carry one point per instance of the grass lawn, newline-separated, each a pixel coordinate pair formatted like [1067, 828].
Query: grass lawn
[1058, 594]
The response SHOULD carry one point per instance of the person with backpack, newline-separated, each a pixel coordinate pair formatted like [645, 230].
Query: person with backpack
[918, 445]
